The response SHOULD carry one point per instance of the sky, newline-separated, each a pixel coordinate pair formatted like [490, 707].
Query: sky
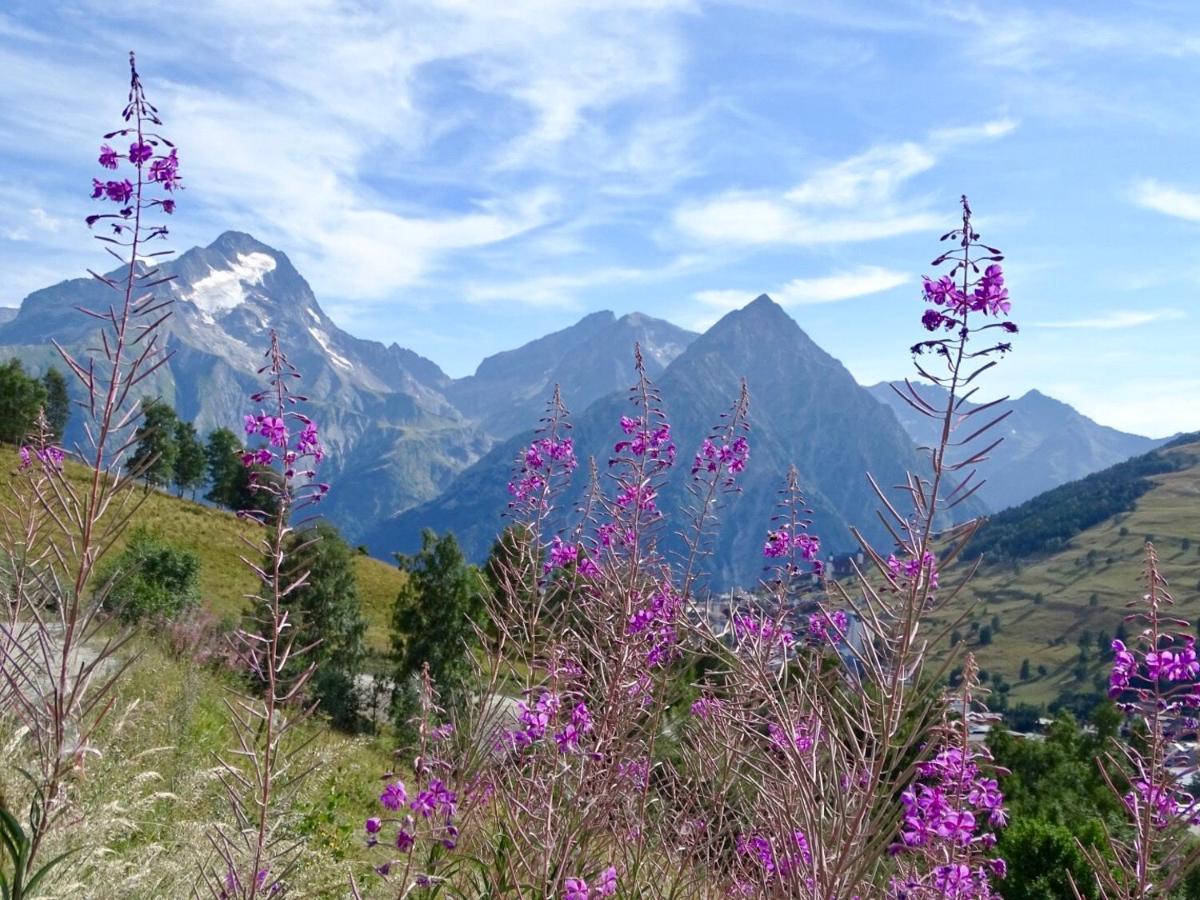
[461, 176]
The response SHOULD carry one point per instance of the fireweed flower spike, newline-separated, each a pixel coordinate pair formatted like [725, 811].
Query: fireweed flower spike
[950, 815]
[60, 706]
[283, 473]
[1156, 683]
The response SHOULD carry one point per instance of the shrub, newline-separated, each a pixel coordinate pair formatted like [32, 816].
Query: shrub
[150, 579]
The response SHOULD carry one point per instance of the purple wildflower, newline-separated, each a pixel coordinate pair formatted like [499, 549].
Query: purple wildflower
[394, 796]
[139, 152]
[165, 170]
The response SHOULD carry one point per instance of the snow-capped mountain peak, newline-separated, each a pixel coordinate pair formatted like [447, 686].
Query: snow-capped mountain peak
[225, 289]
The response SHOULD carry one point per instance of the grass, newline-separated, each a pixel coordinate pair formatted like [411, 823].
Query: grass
[145, 805]
[1100, 561]
[218, 537]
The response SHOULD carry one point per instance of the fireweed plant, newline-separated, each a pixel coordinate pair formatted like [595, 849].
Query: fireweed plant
[1156, 683]
[58, 662]
[263, 771]
[811, 756]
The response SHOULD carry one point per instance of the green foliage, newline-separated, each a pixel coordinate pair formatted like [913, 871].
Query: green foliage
[154, 456]
[327, 611]
[1056, 797]
[1043, 858]
[189, 459]
[21, 396]
[150, 578]
[58, 403]
[17, 882]
[434, 621]
[1045, 523]
[224, 466]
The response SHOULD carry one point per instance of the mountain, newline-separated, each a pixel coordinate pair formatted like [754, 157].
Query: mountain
[8, 313]
[508, 391]
[377, 405]
[806, 409]
[1046, 442]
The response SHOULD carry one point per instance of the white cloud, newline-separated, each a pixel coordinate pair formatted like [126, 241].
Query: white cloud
[310, 136]
[1172, 201]
[874, 176]
[821, 209]
[561, 289]
[860, 282]
[1115, 319]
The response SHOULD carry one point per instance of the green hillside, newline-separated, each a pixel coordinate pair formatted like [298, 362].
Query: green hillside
[1044, 603]
[216, 535]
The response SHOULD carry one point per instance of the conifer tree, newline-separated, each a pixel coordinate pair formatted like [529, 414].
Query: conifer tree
[21, 396]
[434, 621]
[58, 403]
[326, 611]
[154, 456]
[190, 459]
[224, 464]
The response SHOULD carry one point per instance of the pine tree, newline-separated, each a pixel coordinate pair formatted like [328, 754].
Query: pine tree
[58, 403]
[189, 459]
[221, 453]
[21, 396]
[433, 622]
[154, 456]
[327, 611]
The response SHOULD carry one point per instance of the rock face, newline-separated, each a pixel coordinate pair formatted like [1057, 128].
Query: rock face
[1046, 443]
[508, 392]
[378, 405]
[806, 410]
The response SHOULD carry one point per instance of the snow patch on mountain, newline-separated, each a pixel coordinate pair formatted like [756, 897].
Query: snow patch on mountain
[225, 289]
[323, 339]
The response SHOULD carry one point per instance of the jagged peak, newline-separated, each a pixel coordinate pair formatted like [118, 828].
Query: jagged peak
[241, 241]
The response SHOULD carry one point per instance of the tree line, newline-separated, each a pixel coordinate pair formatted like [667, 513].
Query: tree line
[1047, 522]
[168, 452]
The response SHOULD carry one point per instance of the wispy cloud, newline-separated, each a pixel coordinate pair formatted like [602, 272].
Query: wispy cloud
[489, 103]
[1115, 319]
[1164, 198]
[847, 285]
[563, 289]
[855, 199]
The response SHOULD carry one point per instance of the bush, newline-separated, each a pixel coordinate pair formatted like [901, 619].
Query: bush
[151, 578]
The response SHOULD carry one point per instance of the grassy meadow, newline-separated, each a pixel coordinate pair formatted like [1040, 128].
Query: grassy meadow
[218, 538]
[1085, 587]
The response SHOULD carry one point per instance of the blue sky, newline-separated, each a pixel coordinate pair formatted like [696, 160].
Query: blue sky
[461, 176]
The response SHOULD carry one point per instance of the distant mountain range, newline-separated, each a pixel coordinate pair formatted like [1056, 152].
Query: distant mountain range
[1046, 442]
[7, 314]
[806, 409]
[412, 447]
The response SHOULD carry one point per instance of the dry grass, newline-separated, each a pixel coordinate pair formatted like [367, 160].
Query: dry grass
[142, 809]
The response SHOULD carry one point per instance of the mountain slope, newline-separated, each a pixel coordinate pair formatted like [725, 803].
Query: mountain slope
[1046, 603]
[1046, 443]
[228, 296]
[218, 538]
[806, 410]
[588, 360]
